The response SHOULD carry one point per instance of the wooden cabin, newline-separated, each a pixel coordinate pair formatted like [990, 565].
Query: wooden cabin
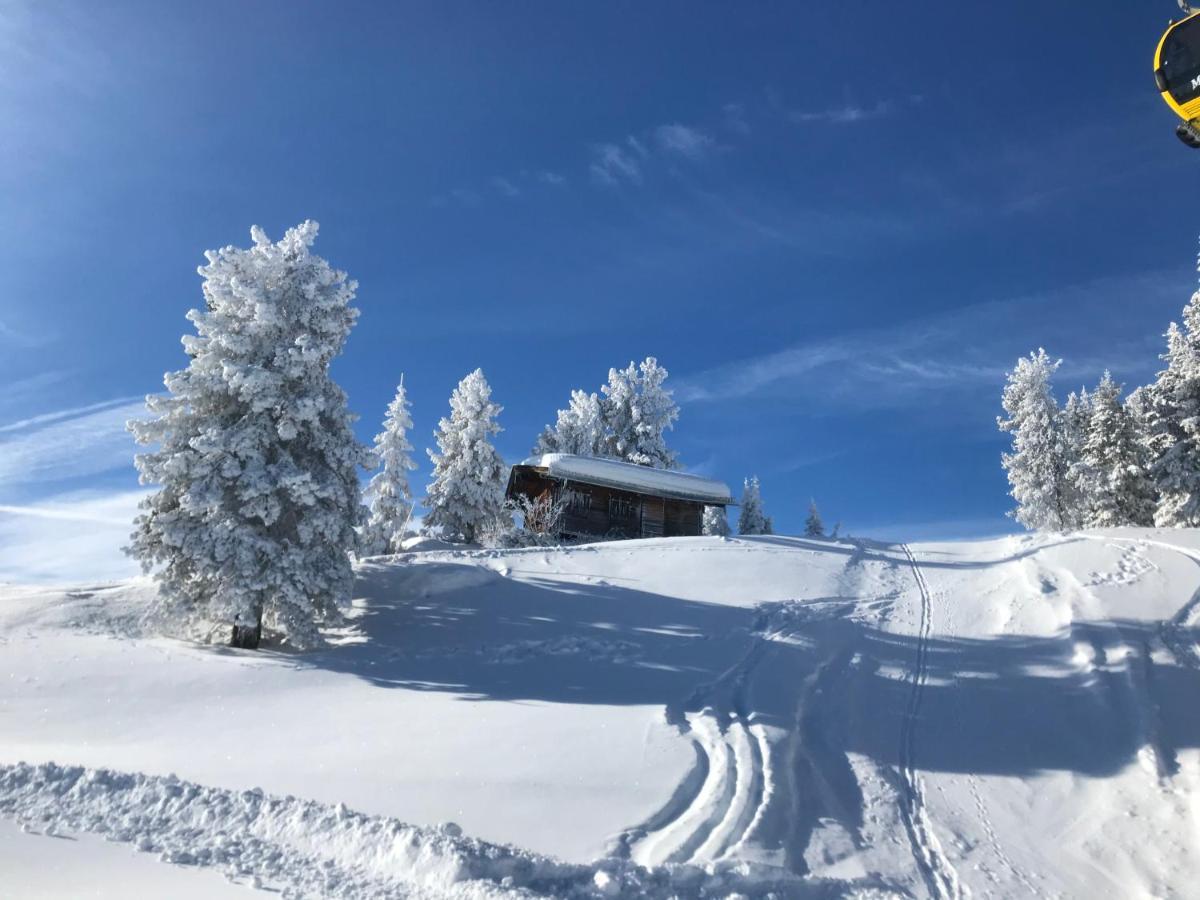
[609, 498]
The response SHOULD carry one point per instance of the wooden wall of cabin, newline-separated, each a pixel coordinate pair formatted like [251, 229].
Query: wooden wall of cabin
[607, 512]
[600, 511]
[683, 518]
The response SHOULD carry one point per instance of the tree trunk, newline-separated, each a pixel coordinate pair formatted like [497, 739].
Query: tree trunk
[245, 636]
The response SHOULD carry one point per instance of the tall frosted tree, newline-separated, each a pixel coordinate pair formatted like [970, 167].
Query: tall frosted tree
[1121, 492]
[256, 459]
[813, 526]
[1139, 406]
[638, 410]
[579, 429]
[1173, 416]
[1074, 422]
[715, 521]
[751, 519]
[467, 491]
[1036, 467]
[388, 492]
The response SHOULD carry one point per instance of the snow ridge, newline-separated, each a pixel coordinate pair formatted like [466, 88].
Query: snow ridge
[303, 848]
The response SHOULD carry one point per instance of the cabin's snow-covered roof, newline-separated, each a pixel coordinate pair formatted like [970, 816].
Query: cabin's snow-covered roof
[637, 479]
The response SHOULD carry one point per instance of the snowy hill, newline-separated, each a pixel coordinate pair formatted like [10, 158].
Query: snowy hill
[695, 716]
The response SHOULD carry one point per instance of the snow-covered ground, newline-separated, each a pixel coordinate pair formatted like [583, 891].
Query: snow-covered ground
[690, 716]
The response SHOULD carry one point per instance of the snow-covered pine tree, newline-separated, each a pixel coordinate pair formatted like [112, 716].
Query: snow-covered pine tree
[715, 522]
[467, 491]
[1036, 468]
[638, 410]
[655, 414]
[388, 493]
[1074, 422]
[1173, 418]
[616, 406]
[1139, 406]
[579, 429]
[750, 517]
[813, 526]
[257, 461]
[1121, 492]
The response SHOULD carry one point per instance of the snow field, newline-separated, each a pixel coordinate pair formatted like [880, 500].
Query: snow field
[683, 717]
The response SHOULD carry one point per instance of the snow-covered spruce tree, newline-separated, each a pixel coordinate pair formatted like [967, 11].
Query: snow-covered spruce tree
[1037, 467]
[1139, 406]
[1174, 424]
[813, 526]
[257, 462]
[579, 429]
[750, 517]
[388, 493]
[467, 491]
[1121, 492]
[638, 410]
[715, 522]
[1077, 485]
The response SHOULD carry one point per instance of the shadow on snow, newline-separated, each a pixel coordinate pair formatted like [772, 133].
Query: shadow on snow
[1083, 701]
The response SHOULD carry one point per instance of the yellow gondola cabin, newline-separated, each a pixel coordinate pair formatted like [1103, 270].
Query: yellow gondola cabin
[1177, 74]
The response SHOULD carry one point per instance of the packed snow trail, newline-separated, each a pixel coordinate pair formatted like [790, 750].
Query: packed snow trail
[301, 848]
[939, 874]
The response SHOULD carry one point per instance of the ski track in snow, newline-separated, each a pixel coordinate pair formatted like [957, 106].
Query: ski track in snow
[720, 807]
[757, 796]
[940, 876]
[723, 796]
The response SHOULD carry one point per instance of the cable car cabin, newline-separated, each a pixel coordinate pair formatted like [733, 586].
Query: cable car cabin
[1177, 75]
[608, 498]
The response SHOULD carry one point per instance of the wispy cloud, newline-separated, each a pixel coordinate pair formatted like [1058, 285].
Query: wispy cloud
[845, 115]
[733, 117]
[505, 187]
[554, 179]
[465, 196]
[68, 444]
[804, 461]
[31, 389]
[683, 141]
[24, 339]
[961, 353]
[68, 538]
[46, 418]
[851, 113]
[613, 164]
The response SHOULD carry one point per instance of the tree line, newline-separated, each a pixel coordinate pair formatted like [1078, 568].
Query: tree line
[1100, 461]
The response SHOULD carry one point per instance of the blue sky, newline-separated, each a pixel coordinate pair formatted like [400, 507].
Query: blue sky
[837, 225]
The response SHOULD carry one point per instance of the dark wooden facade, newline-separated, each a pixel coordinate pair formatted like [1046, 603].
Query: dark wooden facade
[594, 510]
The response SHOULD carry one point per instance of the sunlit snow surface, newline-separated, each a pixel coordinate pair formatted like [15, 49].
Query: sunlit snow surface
[695, 716]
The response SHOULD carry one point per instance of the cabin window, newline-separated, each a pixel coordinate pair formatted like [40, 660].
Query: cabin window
[620, 508]
[579, 501]
[1181, 61]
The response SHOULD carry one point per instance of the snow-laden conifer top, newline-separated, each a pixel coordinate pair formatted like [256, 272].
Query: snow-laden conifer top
[630, 477]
